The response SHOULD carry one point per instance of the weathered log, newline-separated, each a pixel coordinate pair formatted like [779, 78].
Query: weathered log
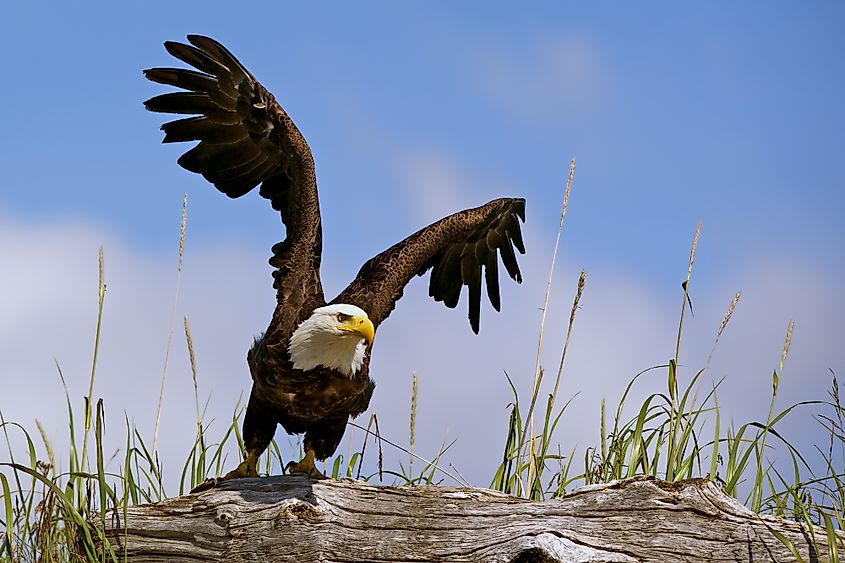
[298, 519]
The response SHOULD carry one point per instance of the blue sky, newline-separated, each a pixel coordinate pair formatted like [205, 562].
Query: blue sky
[729, 114]
[677, 115]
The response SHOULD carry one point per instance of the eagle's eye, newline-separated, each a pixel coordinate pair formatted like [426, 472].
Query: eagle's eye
[342, 318]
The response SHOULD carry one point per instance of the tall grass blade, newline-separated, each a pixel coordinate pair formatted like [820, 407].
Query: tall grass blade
[832, 539]
[90, 395]
[787, 543]
[9, 522]
[685, 286]
[714, 456]
[757, 490]
[77, 519]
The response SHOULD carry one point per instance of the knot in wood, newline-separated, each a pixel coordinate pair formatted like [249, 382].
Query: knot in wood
[534, 555]
[224, 517]
[297, 509]
[553, 547]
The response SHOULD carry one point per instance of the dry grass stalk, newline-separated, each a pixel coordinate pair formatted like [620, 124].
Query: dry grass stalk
[191, 356]
[455, 476]
[538, 372]
[182, 230]
[367, 434]
[532, 464]
[45, 526]
[582, 280]
[686, 290]
[725, 320]
[51, 458]
[692, 251]
[414, 392]
[190, 341]
[172, 321]
[729, 314]
[102, 270]
[101, 299]
[786, 344]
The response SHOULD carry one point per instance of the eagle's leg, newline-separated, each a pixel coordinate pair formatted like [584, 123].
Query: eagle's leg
[321, 441]
[258, 431]
[247, 468]
[306, 465]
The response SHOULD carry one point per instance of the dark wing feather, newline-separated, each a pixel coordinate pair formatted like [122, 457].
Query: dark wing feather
[450, 285]
[456, 249]
[245, 139]
[202, 128]
[471, 276]
[183, 78]
[491, 276]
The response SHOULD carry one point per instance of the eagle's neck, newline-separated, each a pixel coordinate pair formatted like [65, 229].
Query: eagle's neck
[313, 345]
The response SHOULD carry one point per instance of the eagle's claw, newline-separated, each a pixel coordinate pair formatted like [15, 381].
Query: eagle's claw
[312, 472]
[305, 466]
[245, 469]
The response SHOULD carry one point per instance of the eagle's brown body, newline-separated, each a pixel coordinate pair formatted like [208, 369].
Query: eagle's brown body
[316, 402]
[247, 139]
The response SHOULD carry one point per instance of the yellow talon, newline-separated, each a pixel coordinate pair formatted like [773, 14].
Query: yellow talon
[247, 468]
[306, 466]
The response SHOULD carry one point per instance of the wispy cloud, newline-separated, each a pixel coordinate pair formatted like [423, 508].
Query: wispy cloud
[48, 294]
[438, 185]
[49, 304]
[545, 75]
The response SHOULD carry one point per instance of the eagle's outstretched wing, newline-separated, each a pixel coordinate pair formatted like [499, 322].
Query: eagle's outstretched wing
[245, 139]
[455, 249]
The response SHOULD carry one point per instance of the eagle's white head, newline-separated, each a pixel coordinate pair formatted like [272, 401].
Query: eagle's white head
[334, 336]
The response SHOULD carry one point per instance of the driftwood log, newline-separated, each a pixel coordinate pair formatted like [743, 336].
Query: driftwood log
[298, 519]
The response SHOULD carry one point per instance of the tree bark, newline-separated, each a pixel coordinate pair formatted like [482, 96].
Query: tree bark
[294, 518]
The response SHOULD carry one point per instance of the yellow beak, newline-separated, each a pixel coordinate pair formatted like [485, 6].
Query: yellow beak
[362, 326]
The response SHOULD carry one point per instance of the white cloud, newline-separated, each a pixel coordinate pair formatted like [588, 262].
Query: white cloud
[435, 184]
[546, 74]
[48, 298]
[49, 303]
[439, 186]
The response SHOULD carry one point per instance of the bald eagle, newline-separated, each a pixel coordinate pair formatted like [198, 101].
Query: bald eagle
[310, 368]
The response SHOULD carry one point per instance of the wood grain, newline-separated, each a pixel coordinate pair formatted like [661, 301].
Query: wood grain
[294, 518]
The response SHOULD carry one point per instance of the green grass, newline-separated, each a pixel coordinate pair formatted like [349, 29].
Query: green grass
[672, 435]
[47, 515]
[675, 433]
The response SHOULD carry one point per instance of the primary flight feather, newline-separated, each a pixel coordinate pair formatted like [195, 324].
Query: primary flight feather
[310, 368]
